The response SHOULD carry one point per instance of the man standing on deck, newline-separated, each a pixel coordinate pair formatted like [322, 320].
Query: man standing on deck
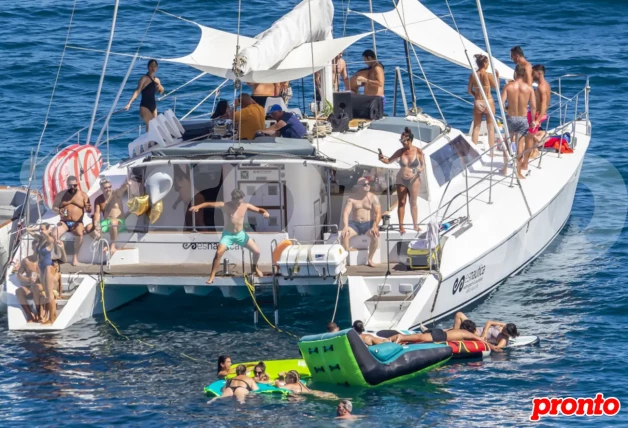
[30, 286]
[372, 78]
[109, 205]
[519, 95]
[516, 55]
[71, 204]
[361, 216]
[543, 94]
[233, 232]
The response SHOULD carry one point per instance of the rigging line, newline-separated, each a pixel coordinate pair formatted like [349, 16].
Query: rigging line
[237, 64]
[405, 29]
[345, 16]
[43, 131]
[316, 107]
[373, 28]
[439, 87]
[205, 99]
[185, 84]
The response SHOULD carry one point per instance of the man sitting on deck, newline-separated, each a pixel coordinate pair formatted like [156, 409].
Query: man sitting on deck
[109, 205]
[233, 232]
[287, 124]
[366, 212]
[71, 204]
[251, 117]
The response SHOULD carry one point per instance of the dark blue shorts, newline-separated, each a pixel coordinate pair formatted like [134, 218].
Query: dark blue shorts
[361, 227]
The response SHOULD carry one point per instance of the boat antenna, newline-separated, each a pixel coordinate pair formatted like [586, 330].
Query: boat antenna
[104, 69]
[31, 176]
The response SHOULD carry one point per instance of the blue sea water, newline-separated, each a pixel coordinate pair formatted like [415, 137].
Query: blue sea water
[574, 296]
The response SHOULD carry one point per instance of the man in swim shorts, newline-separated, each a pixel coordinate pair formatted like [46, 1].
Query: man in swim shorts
[108, 214]
[543, 94]
[519, 96]
[435, 335]
[365, 211]
[71, 204]
[233, 233]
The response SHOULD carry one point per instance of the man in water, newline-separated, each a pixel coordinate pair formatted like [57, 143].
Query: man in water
[543, 94]
[344, 409]
[286, 124]
[30, 286]
[251, 117]
[519, 96]
[516, 55]
[71, 205]
[340, 72]
[332, 327]
[494, 332]
[233, 232]
[368, 339]
[109, 205]
[365, 212]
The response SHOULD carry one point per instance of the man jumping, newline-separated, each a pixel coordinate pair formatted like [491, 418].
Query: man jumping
[233, 233]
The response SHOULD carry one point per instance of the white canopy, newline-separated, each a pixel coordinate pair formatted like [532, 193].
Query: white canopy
[429, 32]
[216, 50]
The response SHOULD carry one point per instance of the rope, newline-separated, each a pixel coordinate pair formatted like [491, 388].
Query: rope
[251, 290]
[405, 30]
[337, 298]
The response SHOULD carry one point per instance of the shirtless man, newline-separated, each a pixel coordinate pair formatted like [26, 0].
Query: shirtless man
[516, 55]
[543, 94]
[31, 287]
[496, 333]
[372, 78]
[365, 211]
[233, 232]
[436, 335]
[71, 204]
[261, 91]
[519, 96]
[368, 339]
[109, 205]
[340, 72]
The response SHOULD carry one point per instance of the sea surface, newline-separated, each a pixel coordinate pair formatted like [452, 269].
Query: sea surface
[574, 296]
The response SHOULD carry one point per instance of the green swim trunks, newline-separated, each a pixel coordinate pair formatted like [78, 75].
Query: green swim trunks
[229, 238]
[106, 224]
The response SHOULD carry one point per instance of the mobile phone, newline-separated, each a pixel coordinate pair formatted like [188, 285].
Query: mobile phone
[380, 152]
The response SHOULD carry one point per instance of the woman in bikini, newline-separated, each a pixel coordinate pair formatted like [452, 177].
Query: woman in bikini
[148, 86]
[224, 365]
[480, 109]
[240, 386]
[412, 164]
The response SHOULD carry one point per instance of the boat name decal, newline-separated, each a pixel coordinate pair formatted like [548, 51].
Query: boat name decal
[205, 246]
[471, 280]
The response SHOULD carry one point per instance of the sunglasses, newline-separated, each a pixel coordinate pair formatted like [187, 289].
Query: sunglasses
[365, 184]
[107, 188]
[259, 373]
[73, 185]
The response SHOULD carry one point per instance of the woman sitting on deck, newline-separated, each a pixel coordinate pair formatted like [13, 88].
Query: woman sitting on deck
[412, 164]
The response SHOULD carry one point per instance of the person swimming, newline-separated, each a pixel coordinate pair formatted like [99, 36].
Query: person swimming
[332, 327]
[240, 386]
[259, 373]
[224, 365]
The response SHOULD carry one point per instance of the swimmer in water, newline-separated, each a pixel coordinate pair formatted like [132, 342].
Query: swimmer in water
[332, 327]
[259, 373]
[224, 364]
[344, 409]
[239, 386]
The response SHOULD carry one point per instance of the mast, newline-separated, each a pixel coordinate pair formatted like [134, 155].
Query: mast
[373, 28]
[104, 69]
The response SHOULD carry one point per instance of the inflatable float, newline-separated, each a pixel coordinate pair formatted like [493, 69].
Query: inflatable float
[273, 368]
[342, 358]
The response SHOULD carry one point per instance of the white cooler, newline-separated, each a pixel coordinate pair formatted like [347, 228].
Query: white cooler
[313, 260]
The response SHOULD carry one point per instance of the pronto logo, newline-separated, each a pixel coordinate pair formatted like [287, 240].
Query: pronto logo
[569, 406]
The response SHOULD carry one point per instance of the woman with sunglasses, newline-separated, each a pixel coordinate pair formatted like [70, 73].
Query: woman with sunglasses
[408, 183]
[259, 373]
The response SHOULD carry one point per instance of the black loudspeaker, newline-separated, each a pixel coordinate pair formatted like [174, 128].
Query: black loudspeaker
[357, 106]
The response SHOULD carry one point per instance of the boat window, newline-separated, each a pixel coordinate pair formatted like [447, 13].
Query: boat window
[449, 160]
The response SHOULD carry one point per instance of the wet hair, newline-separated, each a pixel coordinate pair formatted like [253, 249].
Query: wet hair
[221, 109]
[237, 194]
[358, 326]
[221, 360]
[481, 60]
[331, 327]
[511, 330]
[240, 370]
[520, 71]
[539, 67]
[468, 325]
[347, 404]
[517, 51]
[70, 178]
[151, 62]
[408, 133]
[294, 375]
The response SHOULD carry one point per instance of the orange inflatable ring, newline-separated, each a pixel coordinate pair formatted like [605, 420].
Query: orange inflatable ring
[282, 246]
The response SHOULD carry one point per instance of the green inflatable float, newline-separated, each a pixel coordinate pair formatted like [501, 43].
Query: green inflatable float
[342, 358]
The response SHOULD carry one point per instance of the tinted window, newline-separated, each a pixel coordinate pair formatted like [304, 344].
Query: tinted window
[449, 160]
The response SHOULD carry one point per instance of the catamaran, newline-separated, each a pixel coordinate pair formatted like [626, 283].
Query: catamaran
[479, 227]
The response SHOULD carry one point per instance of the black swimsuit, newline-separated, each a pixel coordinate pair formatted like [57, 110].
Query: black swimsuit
[148, 95]
[233, 388]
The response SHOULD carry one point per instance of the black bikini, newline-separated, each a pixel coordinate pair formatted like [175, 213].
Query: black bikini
[407, 182]
[148, 95]
[233, 388]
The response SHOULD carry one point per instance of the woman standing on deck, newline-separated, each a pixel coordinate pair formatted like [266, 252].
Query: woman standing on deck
[148, 86]
[480, 109]
[412, 164]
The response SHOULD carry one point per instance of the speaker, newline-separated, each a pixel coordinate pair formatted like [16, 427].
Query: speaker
[357, 106]
[343, 102]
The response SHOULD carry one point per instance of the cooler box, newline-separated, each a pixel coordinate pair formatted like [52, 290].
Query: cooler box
[313, 260]
[420, 256]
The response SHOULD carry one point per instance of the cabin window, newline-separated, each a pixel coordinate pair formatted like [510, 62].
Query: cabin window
[450, 160]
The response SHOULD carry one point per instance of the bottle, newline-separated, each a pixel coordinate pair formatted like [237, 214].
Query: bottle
[445, 227]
